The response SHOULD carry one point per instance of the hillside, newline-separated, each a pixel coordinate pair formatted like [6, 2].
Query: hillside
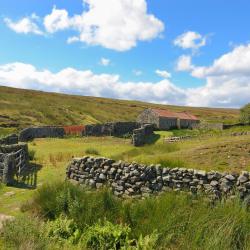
[20, 108]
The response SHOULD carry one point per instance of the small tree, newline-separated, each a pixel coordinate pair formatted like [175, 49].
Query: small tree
[245, 113]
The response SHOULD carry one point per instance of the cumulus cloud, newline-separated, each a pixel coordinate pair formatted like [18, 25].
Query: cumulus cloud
[25, 25]
[57, 20]
[190, 40]
[234, 63]
[184, 63]
[163, 73]
[104, 61]
[119, 29]
[85, 82]
[113, 24]
[227, 80]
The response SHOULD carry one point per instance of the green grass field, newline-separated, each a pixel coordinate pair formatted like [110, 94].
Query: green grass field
[220, 152]
[21, 108]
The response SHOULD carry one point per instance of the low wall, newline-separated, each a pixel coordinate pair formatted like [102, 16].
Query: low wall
[10, 139]
[110, 129]
[240, 133]
[208, 126]
[140, 135]
[40, 132]
[13, 162]
[227, 126]
[137, 180]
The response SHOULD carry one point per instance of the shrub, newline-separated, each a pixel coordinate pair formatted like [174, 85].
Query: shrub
[106, 236]
[180, 220]
[85, 208]
[148, 242]
[32, 154]
[92, 151]
[62, 230]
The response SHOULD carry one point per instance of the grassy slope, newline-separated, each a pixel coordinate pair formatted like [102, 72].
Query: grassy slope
[22, 108]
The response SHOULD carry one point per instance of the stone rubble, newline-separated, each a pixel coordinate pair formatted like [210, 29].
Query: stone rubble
[139, 180]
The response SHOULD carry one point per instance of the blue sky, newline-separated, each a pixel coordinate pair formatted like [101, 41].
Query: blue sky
[191, 52]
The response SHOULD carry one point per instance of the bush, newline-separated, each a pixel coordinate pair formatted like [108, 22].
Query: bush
[106, 236]
[62, 230]
[180, 220]
[85, 208]
[32, 154]
[92, 151]
[24, 233]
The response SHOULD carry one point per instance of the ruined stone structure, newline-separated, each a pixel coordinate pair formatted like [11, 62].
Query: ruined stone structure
[110, 129]
[140, 135]
[165, 119]
[138, 180]
[41, 132]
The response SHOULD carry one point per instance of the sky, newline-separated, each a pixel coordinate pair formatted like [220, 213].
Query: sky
[192, 52]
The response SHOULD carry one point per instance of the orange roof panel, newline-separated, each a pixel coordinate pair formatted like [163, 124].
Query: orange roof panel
[171, 114]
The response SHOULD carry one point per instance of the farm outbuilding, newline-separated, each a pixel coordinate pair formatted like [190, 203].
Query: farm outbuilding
[166, 119]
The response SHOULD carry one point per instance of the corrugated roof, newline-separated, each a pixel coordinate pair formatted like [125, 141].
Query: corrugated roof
[181, 115]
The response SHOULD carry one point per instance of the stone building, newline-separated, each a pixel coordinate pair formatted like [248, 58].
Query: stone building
[166, 119]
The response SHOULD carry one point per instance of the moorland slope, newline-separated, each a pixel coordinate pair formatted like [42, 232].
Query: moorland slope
[20, 108]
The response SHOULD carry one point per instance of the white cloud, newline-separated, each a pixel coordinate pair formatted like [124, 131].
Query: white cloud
[190, 40]
[119, 29]
[234, 63]
[104, 61]
[184, 63]
[163, 73]
[57, 20]
[25, 25]
[85, 82]
[227, 80]
[113, 24]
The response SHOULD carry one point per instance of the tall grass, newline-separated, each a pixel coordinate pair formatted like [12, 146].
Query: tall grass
[92, 151]
[180, 220]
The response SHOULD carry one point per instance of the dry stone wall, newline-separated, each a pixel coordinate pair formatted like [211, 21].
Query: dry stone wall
[41, 132]
[138, 180]
[10, 139]
[140, 135]
[110, 129]
[207, 126]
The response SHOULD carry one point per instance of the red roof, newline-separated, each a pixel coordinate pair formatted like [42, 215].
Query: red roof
[168, 113]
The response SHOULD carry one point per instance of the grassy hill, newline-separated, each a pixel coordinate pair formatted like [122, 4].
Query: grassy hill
[20, 108]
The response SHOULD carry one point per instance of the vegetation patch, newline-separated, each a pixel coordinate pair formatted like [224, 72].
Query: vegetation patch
[92, 151]
[169, 221]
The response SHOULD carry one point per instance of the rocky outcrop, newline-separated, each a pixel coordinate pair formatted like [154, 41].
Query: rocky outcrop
[40, 132]
[138, 180]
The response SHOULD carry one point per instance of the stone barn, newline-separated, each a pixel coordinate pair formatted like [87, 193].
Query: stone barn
[166, 119]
